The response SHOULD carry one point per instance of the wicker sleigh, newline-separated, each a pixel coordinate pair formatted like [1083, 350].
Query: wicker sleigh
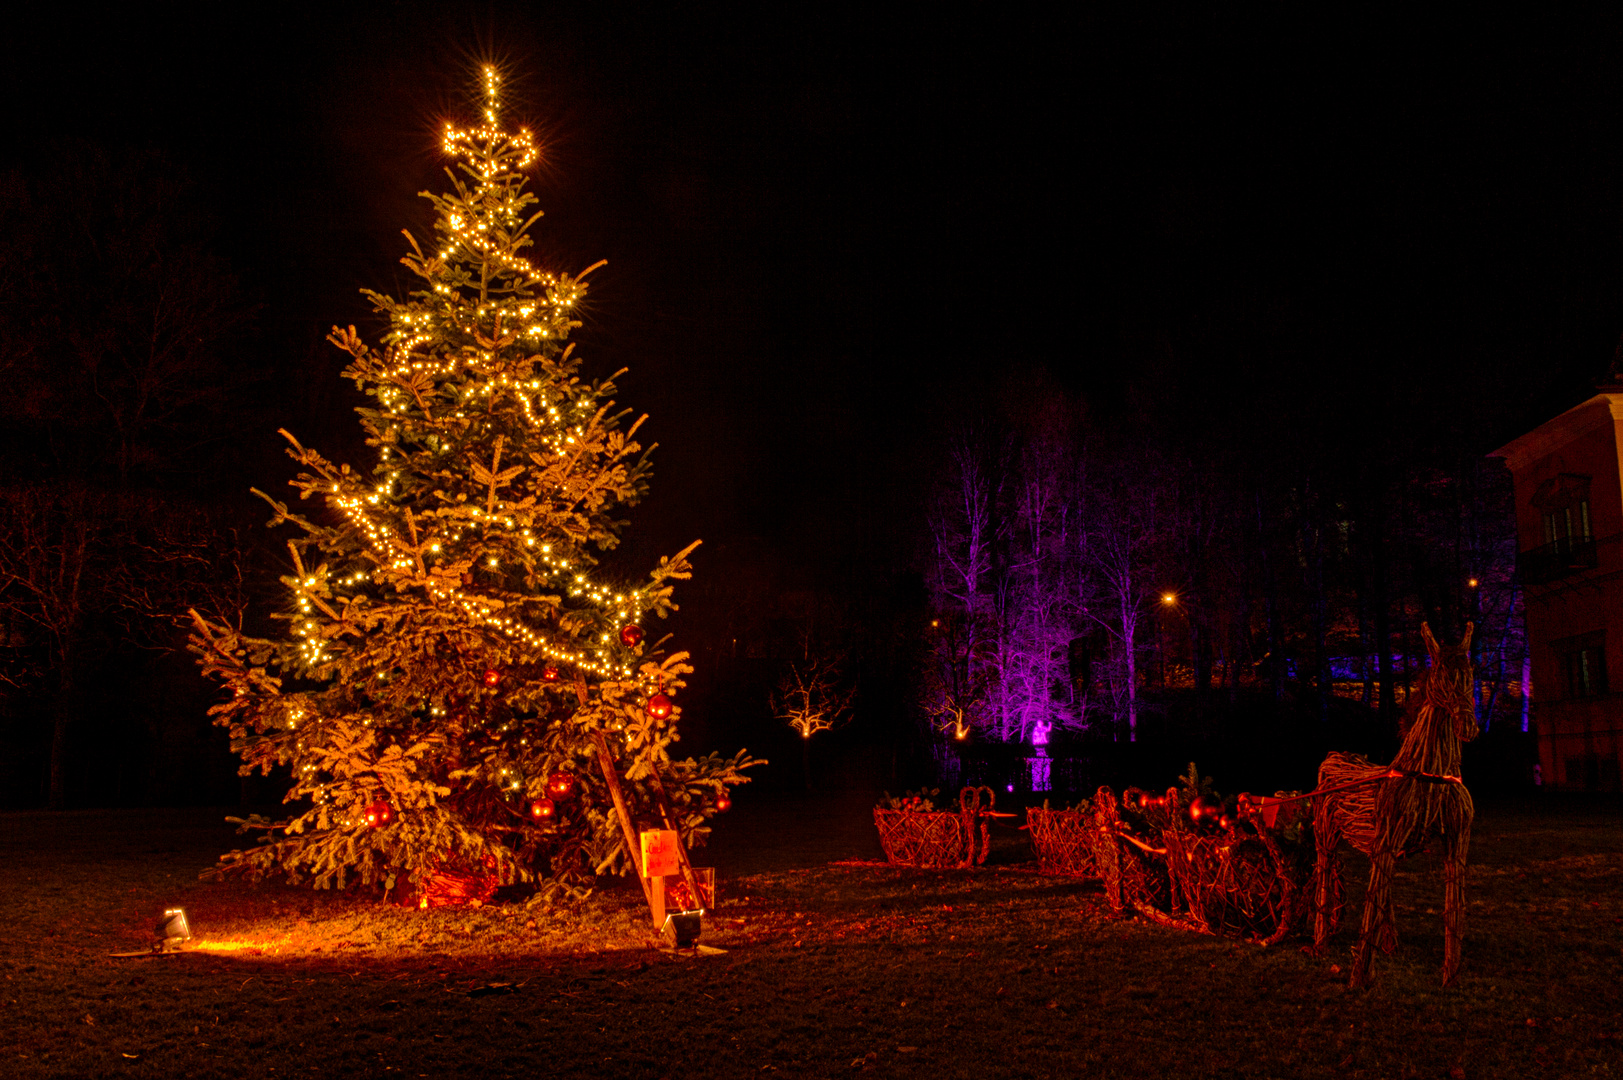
[1244, 881]
[1238, 885]
[1064, 842]
[929, 838]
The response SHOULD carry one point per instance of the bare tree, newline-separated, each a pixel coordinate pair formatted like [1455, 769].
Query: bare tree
[1119, 548]
[1040, 612]
[813, 696]
[83, 568]
[954, 688]
[968, 533]
[49, 542]
[113, 318]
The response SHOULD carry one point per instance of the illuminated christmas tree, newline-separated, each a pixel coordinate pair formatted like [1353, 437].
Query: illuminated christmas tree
[454, 669]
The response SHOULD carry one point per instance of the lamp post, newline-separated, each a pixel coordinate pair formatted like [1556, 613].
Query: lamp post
[1169, 602]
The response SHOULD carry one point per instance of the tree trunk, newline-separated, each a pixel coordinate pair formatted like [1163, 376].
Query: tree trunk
[1196, 611]
[1200, 645]
[1527, 688]
[1276, 629]
[1407, 646]
[1485, 706]
[1241, 654]
[1131, 645]
[1366, 648]
[61, 717]
[1381, 609]
[1321, 628]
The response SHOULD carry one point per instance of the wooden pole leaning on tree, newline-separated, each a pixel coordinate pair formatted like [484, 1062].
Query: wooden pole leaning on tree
[611, 777]
[682, 860]
[605, 761]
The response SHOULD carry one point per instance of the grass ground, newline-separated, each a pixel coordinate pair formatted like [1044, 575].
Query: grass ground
[831, 970]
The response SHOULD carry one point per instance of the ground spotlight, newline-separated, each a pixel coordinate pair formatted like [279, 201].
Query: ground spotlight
[682, 928]
[172, 929]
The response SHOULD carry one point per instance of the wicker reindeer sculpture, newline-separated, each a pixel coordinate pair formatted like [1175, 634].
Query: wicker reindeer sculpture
[1387, 812]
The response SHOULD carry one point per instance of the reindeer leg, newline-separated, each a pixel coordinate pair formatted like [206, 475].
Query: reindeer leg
[1377, 900]
[1459, 842]
[1387, 940]
[1323, 867]
[1338, 893]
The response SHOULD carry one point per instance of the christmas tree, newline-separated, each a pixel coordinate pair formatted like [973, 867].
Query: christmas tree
[454, 671]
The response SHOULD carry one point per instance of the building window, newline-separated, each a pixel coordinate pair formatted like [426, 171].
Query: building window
[1583, 658]
[1568, 524]
[1593, 772]
[1567, 536]
[1563, 501]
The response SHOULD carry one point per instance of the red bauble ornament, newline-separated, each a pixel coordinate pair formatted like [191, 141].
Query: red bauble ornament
[549, 674]
[543, 809]
[631, 635]
[561, 785]
[492, 677]
[723, 803]
[379, 814]
[659, 706]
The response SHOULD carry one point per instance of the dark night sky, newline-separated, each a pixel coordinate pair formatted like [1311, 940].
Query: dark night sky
[827, 230]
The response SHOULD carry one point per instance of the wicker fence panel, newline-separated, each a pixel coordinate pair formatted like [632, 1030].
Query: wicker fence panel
[921, 838]
[1064, 842]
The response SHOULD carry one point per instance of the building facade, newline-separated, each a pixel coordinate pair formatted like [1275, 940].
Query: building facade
[1569, 526]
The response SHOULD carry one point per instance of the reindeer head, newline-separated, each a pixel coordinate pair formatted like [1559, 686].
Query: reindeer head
[1451, 682]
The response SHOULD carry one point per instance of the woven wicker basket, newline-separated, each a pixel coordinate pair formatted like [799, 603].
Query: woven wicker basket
[1063, 840]
[921, 838]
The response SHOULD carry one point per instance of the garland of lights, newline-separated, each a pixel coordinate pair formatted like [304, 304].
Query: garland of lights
[464, 548]
[493, 157]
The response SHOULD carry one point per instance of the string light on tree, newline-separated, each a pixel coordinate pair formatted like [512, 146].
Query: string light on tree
[470, 544]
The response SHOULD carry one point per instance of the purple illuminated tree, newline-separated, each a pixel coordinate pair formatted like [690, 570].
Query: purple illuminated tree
[966, 532]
